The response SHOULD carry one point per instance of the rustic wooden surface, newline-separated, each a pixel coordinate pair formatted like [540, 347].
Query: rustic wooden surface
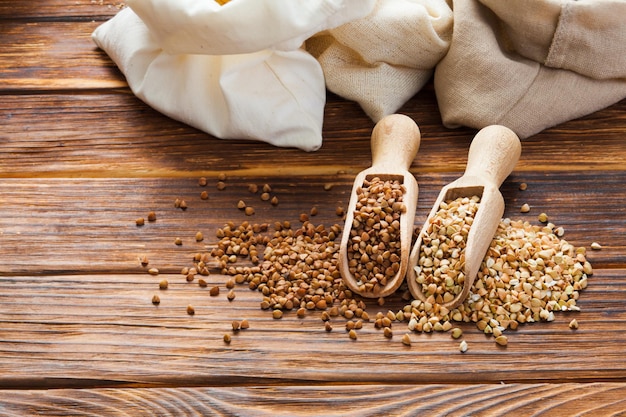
[81, 158]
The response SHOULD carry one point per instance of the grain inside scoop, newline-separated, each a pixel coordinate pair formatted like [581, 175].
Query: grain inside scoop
[376, 239]
[455, 237]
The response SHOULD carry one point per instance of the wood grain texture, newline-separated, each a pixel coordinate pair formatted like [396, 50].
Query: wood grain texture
[102, 330]
[45, 219]
[81, 158]
[35, 60]
[114, 134]
[352, 400]
[59, 10]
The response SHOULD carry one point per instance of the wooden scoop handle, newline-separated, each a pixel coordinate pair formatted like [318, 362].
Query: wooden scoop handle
[395, 142]
[493, 154]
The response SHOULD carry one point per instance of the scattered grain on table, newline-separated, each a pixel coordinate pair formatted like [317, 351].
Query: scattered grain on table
[463, 346]
[502, 340]
[296, 268]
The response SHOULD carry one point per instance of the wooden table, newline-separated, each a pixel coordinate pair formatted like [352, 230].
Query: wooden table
[82, 158]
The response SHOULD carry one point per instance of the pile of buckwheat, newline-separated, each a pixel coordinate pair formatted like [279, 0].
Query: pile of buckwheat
[441, 261]
[374, 245]
[528, 274]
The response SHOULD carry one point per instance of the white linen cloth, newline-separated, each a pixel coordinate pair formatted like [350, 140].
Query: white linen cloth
[259, 69]
[234, 71]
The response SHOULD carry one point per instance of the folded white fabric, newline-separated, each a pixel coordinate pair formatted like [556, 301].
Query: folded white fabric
[242, 26]
[233, 71]
[383, 59]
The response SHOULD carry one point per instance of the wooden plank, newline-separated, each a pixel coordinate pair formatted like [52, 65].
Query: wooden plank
[47, 222]
[51, 10]
[353, 400]
[53, 56]
[101, 330]
[116, 135]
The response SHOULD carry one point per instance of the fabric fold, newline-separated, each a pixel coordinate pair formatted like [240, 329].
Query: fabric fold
[242, 26]
[259, 69]
[383, 59]
[235, 71]
[273, 96]
[493, 75]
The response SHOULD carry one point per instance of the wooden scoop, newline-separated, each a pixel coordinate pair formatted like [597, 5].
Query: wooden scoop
[395, 141]
[492, 156]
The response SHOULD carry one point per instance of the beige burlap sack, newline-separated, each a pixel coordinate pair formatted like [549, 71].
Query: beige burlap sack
[532, 64]
[383, 59]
